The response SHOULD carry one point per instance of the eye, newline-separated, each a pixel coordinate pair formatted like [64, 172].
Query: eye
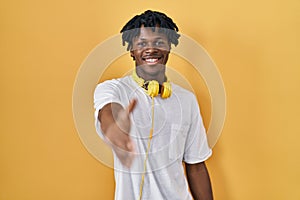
[160, 43]
[142, 44]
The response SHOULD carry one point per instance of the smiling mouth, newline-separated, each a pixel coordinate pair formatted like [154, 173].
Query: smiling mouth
[151, 61]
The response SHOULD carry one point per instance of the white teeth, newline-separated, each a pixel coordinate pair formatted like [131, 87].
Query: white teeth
[151, 60]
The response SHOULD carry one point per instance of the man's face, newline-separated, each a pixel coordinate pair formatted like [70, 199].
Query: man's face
[150, 51]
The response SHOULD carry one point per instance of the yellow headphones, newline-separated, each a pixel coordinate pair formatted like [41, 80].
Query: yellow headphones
[152, 87]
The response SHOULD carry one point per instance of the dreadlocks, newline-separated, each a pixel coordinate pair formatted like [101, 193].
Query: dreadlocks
[151, 19]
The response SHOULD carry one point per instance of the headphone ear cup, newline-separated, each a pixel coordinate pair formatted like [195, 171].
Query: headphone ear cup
[166, 90]
[153, 88]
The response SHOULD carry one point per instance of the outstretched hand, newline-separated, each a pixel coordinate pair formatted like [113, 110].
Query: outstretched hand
[118, 133]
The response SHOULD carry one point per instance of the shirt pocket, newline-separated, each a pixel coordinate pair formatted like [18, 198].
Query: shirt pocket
[177, 141]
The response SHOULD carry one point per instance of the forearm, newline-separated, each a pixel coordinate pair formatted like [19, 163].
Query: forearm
[199, 181]
[108, 115]
[115, 125]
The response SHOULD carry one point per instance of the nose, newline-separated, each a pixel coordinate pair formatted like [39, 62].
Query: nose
[151, 48]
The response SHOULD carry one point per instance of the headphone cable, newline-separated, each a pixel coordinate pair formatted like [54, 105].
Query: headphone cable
[148, 148]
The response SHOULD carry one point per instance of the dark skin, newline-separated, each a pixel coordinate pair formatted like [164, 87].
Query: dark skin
[199, 181]
[150, 50]
[115, 125]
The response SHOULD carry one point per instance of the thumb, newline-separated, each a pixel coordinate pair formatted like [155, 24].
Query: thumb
[131, 106]
[130, 145]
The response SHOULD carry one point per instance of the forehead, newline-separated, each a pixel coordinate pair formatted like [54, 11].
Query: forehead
[148, 33]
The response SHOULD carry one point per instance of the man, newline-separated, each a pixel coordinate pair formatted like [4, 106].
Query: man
[151, 124]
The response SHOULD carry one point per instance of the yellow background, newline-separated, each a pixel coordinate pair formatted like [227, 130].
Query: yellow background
[254, 43]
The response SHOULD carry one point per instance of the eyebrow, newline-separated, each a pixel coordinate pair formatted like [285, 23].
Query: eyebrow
[153, 38]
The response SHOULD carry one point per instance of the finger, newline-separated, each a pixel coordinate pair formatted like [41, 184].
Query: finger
[125, 157]
[130, 146]
[131, 105]
[129, 160]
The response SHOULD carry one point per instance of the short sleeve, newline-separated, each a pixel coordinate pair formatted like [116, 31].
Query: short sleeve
[106, 92]
[196, 146]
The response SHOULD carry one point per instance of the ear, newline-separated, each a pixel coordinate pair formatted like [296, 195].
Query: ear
[170, 46]
[132, 54]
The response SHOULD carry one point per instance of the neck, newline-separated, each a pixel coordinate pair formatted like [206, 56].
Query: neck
[160, 76]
